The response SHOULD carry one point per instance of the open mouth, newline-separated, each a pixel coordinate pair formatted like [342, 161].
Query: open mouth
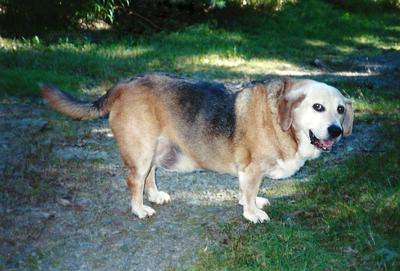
[324, 145]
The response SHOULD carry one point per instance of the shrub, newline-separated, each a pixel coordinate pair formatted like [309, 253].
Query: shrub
[40, 15]
[36, 16]
[368, 5]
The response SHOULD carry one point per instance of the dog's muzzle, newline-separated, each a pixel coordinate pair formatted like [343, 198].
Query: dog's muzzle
[324, 145]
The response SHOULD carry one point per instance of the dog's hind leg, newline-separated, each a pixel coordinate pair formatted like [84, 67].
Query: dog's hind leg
[137, 152]
[139, 166]
[150, 187]
[135, 183]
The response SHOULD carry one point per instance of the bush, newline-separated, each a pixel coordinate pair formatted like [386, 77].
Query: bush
[367, 5]
[20, 16]
[38, 16]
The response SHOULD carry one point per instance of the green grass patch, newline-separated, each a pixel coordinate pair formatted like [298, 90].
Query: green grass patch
[228, 46]
[348, 218]
[374, 104]
[27, 85]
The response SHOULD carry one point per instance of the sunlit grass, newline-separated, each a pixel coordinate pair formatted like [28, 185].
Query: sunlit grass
[377, 106]
[281, 189]
[246, 68]
[368, 104]
[377, 42]
[249, 47]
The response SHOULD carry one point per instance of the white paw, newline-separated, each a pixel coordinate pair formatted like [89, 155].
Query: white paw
[262, 202]
[159, 197]
[143, 211]
[256, 216]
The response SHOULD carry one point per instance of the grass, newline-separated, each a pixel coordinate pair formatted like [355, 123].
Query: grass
[243, 46]
[371, 106]
[348, 218]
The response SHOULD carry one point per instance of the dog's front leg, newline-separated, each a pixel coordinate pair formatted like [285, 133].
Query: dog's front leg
[249, 181]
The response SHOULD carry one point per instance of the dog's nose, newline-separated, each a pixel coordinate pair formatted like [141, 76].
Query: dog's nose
[334, 131]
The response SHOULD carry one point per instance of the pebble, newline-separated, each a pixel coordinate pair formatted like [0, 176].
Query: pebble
[64, 202]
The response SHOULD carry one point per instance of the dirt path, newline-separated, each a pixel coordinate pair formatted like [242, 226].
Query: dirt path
[65, 206]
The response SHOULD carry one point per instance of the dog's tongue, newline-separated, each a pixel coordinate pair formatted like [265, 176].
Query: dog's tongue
[327, 143]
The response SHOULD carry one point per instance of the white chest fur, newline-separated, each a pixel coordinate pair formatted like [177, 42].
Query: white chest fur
[287, 168]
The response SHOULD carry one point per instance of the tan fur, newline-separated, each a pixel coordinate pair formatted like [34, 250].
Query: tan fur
[67, 105]
[150, 131]
[348, 119]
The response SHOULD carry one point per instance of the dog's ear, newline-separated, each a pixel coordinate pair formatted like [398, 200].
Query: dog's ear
[287, 102]
[348, 119]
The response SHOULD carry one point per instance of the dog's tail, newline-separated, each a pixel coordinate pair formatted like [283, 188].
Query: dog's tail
[70, 106]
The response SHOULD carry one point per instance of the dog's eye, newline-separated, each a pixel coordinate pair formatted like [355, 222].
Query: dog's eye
[340, 109]
[319, 107]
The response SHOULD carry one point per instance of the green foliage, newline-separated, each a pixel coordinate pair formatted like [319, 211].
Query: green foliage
[38, 16]
[33, 15]
[103, 9]
[368, 5]
[242, 47]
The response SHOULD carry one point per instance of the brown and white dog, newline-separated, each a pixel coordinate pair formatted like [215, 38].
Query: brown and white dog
[266, 129]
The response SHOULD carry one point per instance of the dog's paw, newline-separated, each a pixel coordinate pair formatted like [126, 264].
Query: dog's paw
[159, 197]
[143, 211]
[262, 202]
[256, 216]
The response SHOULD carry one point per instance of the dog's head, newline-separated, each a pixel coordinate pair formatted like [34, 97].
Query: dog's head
[317, 111]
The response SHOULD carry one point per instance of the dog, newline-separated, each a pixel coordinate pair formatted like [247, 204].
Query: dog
[268, 128]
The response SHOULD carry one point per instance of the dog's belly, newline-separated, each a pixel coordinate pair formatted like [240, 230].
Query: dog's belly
[170, 157]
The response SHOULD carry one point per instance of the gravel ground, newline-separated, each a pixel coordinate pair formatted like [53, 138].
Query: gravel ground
[64, 204]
